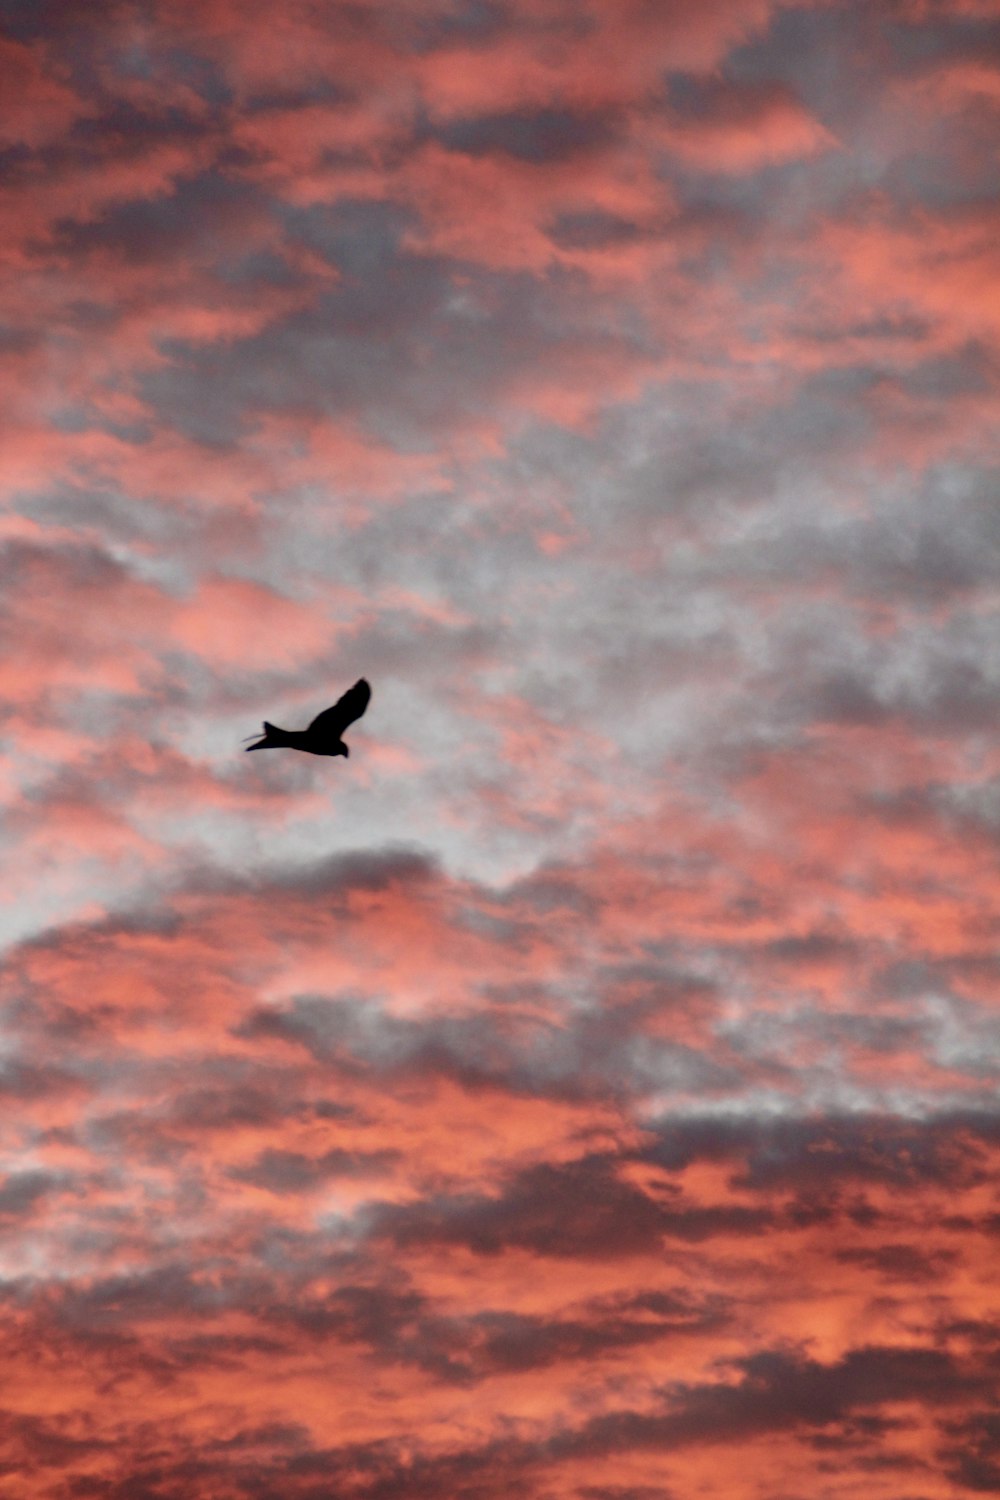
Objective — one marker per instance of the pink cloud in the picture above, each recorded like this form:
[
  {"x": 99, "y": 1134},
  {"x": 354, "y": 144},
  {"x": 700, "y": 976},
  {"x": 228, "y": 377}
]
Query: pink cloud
[
  {"x": 230, "y": 620},
  {"x": 748, "y": 131},
  {"x": 39, "y": 105},
  {"x": 936, "y": 266},
  {"x": 588, "y": 1092},
  {"x": 619, "y": 55}
]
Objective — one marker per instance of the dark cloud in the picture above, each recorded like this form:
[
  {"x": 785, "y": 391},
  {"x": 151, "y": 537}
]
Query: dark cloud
[
  {"x": 953, "y": 697},
  {"x": 540, "y": 136},
  {"x": 359, "y": 350},
  {"x": 22, "y": 1190},
  {"x": 510, "y": 1342},
  {"x": 584, "y": 1209},
  {"x": 593, "y": 230},
  {"x": 904, "y": 1263},
  {"x": 860, "y": 1149},
  {"x": 202, "y": 217},
  {"x": 361, "y": 870},
  {"x": 624, "y": 1492},
  {"x": 293, "y": 1172},
  {"x": 54, "y": 17},
  {"x": 973, "y": 1453},
  {"x": 777, "y": 1391}
]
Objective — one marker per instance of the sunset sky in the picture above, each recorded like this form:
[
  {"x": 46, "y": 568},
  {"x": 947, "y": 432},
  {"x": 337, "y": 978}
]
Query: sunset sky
[{"x": 588, "y": 1090}]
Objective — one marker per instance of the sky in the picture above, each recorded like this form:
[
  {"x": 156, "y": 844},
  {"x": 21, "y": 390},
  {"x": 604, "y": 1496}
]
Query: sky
[{"x": 588, "y": 1090}]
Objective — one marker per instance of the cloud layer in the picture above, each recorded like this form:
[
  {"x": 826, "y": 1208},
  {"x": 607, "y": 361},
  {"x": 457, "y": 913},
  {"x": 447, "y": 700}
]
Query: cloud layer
[{"x": 589, "y": 1090}]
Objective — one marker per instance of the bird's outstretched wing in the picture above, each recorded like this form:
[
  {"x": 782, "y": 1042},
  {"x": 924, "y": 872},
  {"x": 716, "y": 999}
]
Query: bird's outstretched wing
[{"x": 333, "y": 721}]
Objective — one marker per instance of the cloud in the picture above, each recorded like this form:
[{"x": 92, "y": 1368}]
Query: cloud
[
  {"x": 590, "y": 1089},
  {"x": 580, "y": 1210},
  {"x": 723, "y": 127},
  {"x": 40, "y": 105}
]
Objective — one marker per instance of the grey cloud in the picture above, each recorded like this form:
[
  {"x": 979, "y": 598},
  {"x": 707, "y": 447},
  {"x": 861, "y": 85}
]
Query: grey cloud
[
  {"x": 590, "y": 1053},
  {"x": 292, "y": 1172},
  {"x": 845, "y": 1150},
  {"x": 124, "y": 1300},
  {"x": 360, "y": 870},
  {"x": 54, "y": 17},
  {"x": 362, "y": 349},
  {"x": 593, "y": 229},
  {"x": 940, "y": 538},
  {"x": 22, "y": 1190},
  {"x": 26, "y": 1079},
  {"x": 952, "y": 691},
  {"x": 34, "y": 1443},
  {"x": 542, "y": 135},
  {"x": 898, "y": 1262},
  {"x": 778, "y": 1392},
  {"x": 397, "y": 1324},
  {"x": 56, "y": 568},
  {"x": 516, "y": 1342},
  {"x": 357, "y": 1034},
  {"x": 580, "y": 1210},
  {"x": 203, "y": 218}
]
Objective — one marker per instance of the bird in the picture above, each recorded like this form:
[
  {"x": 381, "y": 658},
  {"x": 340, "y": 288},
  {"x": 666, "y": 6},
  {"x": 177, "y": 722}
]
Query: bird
[{"x": 323, "y": 737}]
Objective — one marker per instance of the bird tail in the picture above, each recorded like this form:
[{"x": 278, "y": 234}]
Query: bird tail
[{"x": 273, "y": 736}]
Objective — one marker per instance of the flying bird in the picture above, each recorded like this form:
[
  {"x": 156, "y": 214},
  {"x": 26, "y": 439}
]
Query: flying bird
[{"x": 323, "y": 737}]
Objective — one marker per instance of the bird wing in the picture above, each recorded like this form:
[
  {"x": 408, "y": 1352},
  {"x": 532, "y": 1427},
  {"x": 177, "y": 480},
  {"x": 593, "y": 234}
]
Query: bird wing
[{"x": 333, "y": 721}]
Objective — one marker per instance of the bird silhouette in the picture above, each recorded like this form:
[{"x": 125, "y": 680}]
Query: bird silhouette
[{"x": 323, "y": 737}]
